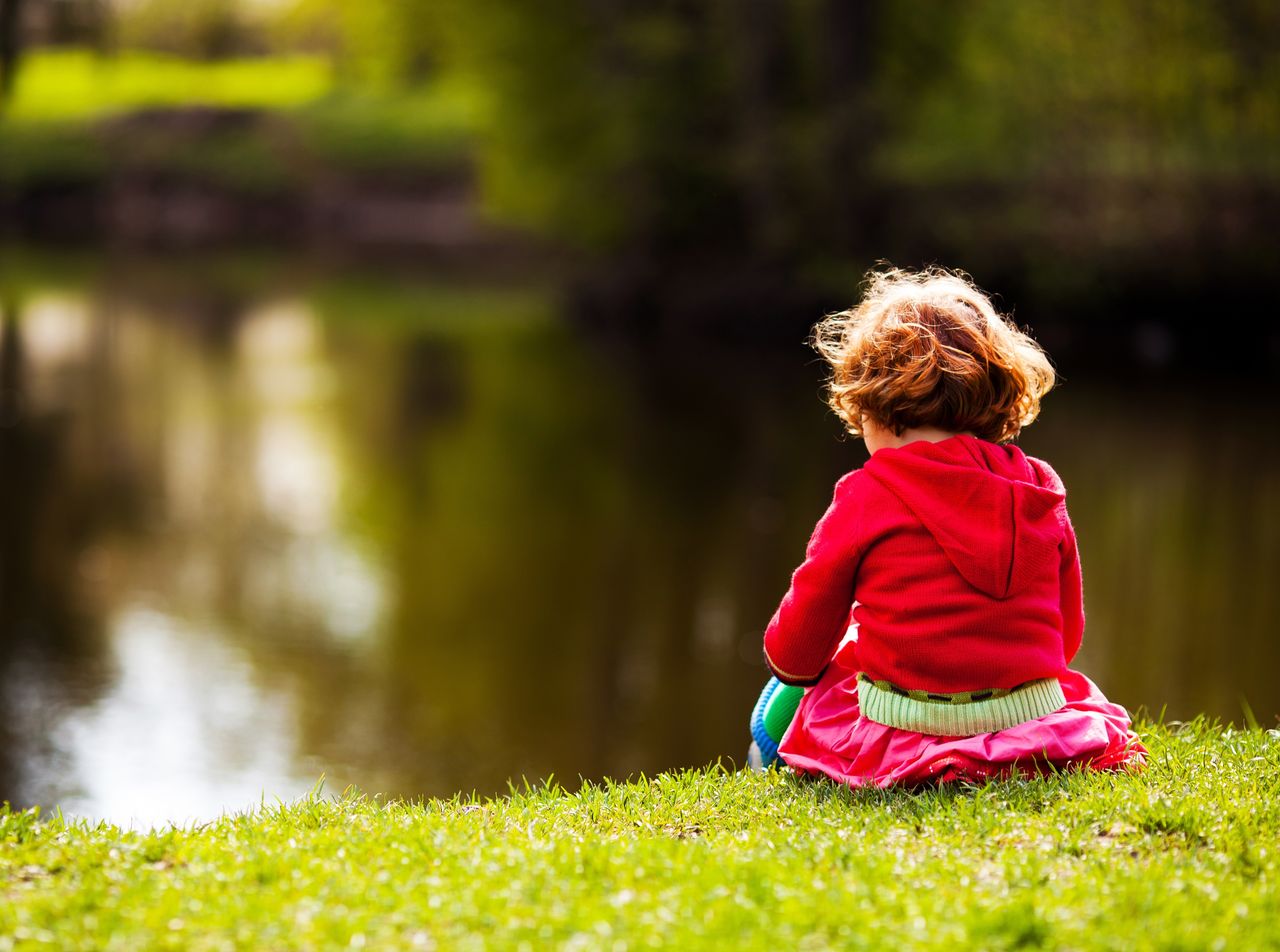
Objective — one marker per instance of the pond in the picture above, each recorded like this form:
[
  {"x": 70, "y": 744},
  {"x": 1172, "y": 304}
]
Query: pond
[{"x": 264, "y": 524}]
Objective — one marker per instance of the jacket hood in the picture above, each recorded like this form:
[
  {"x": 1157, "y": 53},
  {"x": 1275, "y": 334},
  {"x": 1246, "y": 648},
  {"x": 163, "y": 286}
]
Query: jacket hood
[{"x": 998, "y": 514}]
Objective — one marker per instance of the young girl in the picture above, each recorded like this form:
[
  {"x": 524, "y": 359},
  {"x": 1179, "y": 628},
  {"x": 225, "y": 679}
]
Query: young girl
[{"x": 939, "y": 603}]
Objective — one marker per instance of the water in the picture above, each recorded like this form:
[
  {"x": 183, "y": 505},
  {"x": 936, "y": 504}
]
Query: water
[{"x": 264, "y": 525}]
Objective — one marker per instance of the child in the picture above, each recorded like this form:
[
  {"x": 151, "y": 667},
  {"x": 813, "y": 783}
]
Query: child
[{"x": 939, "y": 602}]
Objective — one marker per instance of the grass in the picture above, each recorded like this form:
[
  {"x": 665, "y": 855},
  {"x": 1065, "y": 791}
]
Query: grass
[
  {"x": 72, "y": 84},
  {"x": 1181, "y": 857},
  {"x": 57, "y": 127}
]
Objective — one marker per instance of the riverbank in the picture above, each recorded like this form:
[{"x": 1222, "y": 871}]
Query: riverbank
[
  {"x": 1181, "y": 856},
  {"x": 151, "y": 150},
  {"x": 147, "y": 153}
]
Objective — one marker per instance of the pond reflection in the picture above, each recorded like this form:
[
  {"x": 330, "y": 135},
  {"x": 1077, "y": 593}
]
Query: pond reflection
[{"x": 424, "y": 537}]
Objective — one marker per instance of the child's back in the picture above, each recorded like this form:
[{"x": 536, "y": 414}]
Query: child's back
[{"x": 950, "y": 556}]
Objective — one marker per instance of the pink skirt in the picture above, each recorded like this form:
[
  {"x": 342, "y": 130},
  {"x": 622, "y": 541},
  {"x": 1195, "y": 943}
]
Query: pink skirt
[{"x": 829, "y": 736}]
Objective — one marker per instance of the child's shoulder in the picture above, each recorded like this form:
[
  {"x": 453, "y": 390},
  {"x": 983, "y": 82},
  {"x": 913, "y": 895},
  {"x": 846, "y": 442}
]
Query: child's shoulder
[
  {"x": 1045, "y": 474},
  {"x": 850, "y": 481},
  {"x": 856, "y": 489},
  {"x": 853, "y": 483}
]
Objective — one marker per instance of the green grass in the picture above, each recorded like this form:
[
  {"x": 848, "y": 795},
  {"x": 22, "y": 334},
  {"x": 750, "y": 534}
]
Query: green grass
[
  {"x": 57, "y": 128},
  {"x": 55, "y": 85},
  {"x": 1181, "y": 857}
]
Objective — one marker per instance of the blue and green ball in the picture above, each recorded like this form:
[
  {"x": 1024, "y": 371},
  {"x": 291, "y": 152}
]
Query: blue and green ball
[{"x": 769, "y": 721}]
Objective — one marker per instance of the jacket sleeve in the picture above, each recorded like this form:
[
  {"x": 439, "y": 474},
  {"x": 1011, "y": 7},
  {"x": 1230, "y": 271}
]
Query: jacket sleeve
[
  {"x": 1071, "y": 593},
  {"x": 808, "y": 625}
]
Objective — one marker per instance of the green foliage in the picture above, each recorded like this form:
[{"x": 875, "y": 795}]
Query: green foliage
[
  {"x": 194, "y": 28},
  {"x": 561, "y": 134},
  {"x": 807, "y": 132},
  {"x": 379, "y": 45},
  {"x": 648, "y": 126},
  {"x": 50, "y": 152},
  {"x": 1182, "y": 856},
  {"x": 780, "y": 129},
  {"x": 1103, "y": 91},
  {"x": 428, "y": 126}
]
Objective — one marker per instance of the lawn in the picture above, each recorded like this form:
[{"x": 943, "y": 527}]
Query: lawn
[
  {"x": 1182, "y": 856},
  {"x": 61, "y": 123},
  {"x": 63, "y": 84}
]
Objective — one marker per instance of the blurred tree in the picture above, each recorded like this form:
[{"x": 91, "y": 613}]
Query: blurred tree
[
  {"x": 202, "y": 29},
  {"x": 382, "y": 44},
  {"x": 9, "y": 45},
  {"x": 670, "y": 126},
  {"x": 25, "y": 23},
  {"x": 805, "y": 135},
  {"x": 1071, "y": 142}
]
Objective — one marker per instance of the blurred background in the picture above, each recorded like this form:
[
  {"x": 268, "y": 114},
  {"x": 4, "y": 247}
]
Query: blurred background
[{"x": 416, "y": 394}]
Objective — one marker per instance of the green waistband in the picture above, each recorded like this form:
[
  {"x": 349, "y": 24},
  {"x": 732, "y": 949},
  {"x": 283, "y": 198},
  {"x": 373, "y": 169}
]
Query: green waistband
[{"x": 958, "y": 715}]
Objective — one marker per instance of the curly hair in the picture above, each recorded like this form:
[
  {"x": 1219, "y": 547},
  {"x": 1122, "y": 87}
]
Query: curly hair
[{"x": 928, "y": 349}]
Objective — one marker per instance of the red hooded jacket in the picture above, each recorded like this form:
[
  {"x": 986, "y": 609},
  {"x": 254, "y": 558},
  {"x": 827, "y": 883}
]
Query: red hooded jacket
[{"x": 963, "y": 565}]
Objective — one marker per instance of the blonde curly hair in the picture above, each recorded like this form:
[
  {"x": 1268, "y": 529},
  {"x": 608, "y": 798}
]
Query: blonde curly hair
[{"x": 927, "y": 348}]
